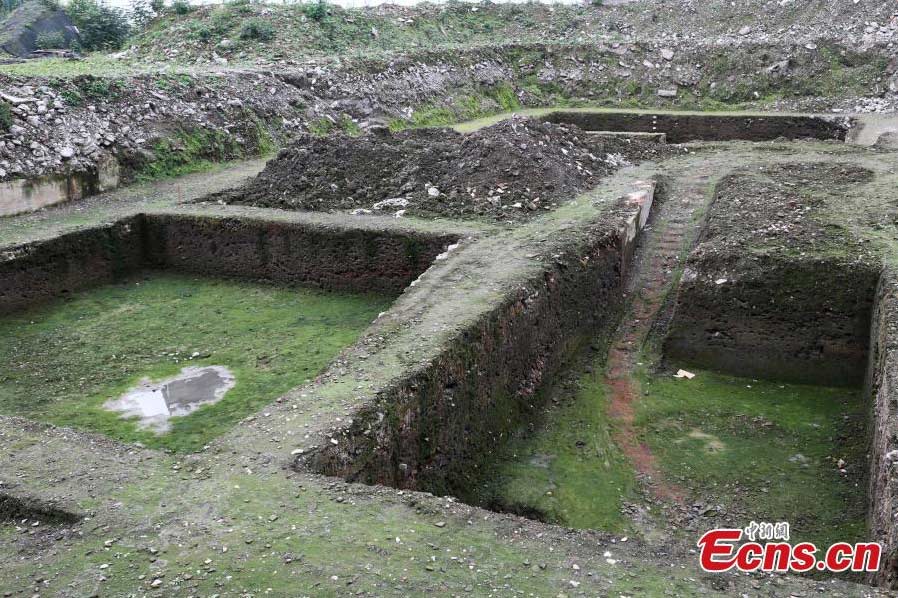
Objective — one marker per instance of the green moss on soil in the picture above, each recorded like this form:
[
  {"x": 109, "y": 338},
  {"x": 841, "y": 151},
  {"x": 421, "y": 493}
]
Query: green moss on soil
[
  {"x": 765, "y": 451},
  {"x": 483, "y": 102},
  {"x": 68, "y": 358},
  {"x": 569, "y": 471},
  {"x": 188, "y": 151}
]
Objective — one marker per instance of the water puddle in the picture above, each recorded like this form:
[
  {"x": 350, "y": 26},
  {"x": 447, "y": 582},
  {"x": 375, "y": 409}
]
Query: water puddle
[{"x": 154, "y": 403}]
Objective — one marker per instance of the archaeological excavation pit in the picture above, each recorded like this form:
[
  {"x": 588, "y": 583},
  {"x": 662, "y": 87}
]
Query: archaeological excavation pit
[
  {"x": 564, "y": 319},
  {"x": 167, "y": 330}
]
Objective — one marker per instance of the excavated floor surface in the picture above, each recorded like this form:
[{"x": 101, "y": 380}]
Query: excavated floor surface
[{"x": 234, "y": 518}]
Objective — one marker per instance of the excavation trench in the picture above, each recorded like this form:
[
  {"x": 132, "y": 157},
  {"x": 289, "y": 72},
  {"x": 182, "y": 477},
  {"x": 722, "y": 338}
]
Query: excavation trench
[
  {"x": 480, "y": 407},
  {"x": 314, "y": 255},
  {"x": 474, "y": 422},
  {"x": 479, "y": 412},
  {"x": 184, "y": 355}
]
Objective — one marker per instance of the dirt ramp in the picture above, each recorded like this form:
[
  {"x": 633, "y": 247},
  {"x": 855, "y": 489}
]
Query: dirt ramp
[{"x": 507, "y": 172}]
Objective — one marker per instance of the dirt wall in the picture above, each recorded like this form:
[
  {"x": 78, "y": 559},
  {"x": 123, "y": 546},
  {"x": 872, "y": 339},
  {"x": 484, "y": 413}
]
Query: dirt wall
[
  {"x": 681, "y": 128},
  {"x": 801, "y": 320},
  {"x": 434, "y": 428},
  {"x": 33, "y": 273},
  {"x": 285, "y": 253},
  {"x": 291, "y": 253},
  {"x": 882, "y": 394}
]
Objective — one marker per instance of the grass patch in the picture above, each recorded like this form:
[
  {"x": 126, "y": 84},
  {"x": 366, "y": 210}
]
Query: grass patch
[
  {"x": 68, "y": 358},
  {"x": 765, "y": 451},
  {"x": 325, "y": 126},
  {"x": 498, "y": 99},
  {"x": 190, "y": 150},
  {"x": 569, "y": 472},
  {"x": 5, "y": 116}
]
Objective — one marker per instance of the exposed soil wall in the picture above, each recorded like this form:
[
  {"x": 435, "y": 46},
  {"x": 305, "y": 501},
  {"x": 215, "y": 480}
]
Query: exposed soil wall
[
  {"x": 434, "y": 428},
  {"x": 286, "y": 253},
  {"x": 882, "y": 393},
  {"x": 291, "y": 253},
  {"x": 681, "y": 128},
  {"x": 33, "y": 273},
  {"x": 795, "y": 319}
]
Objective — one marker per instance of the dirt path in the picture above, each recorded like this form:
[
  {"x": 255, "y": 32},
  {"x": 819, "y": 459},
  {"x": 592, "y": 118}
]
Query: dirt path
[
  {"x": 665, "y": 245},
  {"x": 124, "y": 201}
]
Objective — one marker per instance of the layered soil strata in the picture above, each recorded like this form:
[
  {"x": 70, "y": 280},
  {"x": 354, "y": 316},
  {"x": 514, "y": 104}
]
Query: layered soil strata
[
  {"x": 326, "y": 257},
  {"x": 881, "y": 389},
  {"x": 771, "y": 291}
]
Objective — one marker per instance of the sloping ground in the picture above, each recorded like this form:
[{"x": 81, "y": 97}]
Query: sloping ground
[
  {"x": 509, "y": 171},
  {"x": 305, "y": 31},
  {"x": 239, "y": 92}
]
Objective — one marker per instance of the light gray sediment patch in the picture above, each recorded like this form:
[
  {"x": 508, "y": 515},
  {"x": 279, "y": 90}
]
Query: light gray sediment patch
[{"x": 155, "y": 403}]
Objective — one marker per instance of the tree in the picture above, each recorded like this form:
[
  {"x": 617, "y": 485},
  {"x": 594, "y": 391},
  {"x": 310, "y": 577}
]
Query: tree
[{"x": 101, "y": 27}]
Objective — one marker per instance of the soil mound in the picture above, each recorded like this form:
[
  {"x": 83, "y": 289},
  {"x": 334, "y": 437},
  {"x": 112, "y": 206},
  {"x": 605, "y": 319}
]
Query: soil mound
[{"x": 509, "y": 171}]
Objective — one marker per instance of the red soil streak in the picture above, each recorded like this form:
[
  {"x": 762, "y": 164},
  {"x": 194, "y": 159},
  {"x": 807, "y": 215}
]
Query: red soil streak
[{"x": 651, "y": 284}]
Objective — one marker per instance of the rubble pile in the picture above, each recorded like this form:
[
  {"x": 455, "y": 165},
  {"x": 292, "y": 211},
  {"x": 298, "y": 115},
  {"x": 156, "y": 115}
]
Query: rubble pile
[{"x": 505, "y": 172}]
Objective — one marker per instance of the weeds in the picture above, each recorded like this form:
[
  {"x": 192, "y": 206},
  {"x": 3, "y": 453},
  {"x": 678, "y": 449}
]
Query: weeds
[
  {"x": 257, "y": 30},
  {"x": 5, "y": 116},
  {"x": 325, "y": 126}
]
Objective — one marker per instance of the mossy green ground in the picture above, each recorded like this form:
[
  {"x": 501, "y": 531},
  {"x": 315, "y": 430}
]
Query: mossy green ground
[
  {"x": 761, "y": 450},
  {"x": 64, "y": 360},
  {"x": 270, "y": 535},
  {"x": 569, "y": 471}
]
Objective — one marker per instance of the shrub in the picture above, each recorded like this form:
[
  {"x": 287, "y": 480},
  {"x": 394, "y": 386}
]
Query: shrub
[
  {"x": 200, "y": 31},
  {"x": 257, "y": 29},
  {"x": 102, "y": 27},
  {"x": 222, "y": 20},
  {"x": 317, "y": 11},
  {"x": 181, "y": 7},
  {"x": 94, "y": 87},
  {"x": 7, "y": 6},
  {"x": 241, "y": 7},
  {"x": 72, "y": 98},
  {"x": 157, "y": 5},
  {"x": 5, "y": 116},
  {"x": 51, "y": 40}
]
